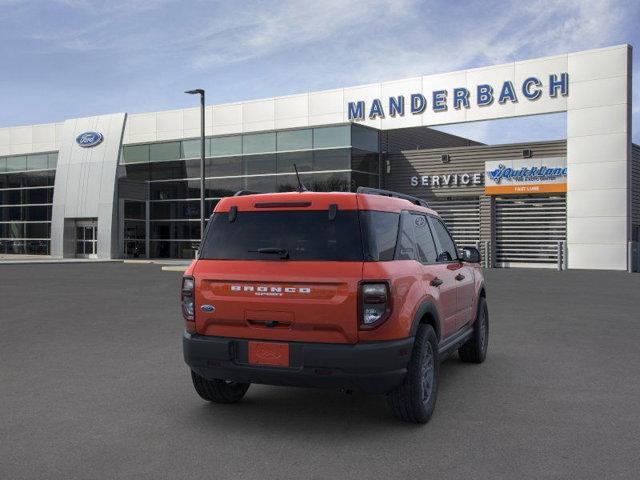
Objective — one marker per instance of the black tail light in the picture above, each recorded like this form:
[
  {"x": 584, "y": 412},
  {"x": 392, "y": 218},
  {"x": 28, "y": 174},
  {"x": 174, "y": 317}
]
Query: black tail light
[
  {"x": 187, "y": 298},
  {"x": 375, "y": 304}
]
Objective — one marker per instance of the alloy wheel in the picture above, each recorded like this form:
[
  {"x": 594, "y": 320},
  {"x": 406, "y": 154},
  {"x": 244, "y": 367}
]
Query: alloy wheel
[{"x": 428, "y": 372}]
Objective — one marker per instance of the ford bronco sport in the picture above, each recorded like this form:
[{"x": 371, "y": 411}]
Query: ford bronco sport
[{"x": 356, "y": 291}]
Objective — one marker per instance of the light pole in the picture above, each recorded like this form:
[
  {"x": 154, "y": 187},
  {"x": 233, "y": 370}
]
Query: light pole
[{"x": 200, "y": 92}]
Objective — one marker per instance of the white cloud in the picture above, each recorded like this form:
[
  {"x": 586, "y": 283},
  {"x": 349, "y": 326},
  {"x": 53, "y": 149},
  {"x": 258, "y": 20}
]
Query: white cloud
[
  {"x": 379, "y": 39},
  {"x": 483, "y": 37},
  {"x": 301, "y": 45},
  {"x": 288, "y": 25}
]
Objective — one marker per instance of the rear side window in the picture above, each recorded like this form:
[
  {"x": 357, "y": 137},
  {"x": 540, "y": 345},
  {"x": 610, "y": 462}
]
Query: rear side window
[
  {"x": 304, "y": 235},
  {"x": 426, "y": 248},
  {"x": 406, "y": 241},
  {"x": 380, "y": 229},
  {"x": 415, "y": 241},
  {"x": 444, "y": 243}
]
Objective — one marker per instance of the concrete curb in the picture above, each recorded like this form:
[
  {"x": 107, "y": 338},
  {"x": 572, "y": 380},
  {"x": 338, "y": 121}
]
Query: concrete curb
[
  {"x": 56, "y": 261},
  {"x": 174, "y": 268},
  {"x": 180, "y": 265},
  {"x": 159, "y": 262}
]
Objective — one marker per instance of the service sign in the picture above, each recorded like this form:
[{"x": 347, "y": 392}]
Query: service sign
[
  {"x": 471, "y": 179},
  {"x": 526, "y": 176}
]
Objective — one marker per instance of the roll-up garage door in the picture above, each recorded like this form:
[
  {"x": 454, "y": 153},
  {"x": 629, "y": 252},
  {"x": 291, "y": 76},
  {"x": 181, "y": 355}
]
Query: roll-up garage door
[
  {"x": 462, "y": 217},
  {"x": 528, "y": 230}
]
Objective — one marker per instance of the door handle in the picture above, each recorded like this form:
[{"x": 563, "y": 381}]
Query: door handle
[
  {"x": 436, "y": 282},
  {"x": 459, "y": 277}
]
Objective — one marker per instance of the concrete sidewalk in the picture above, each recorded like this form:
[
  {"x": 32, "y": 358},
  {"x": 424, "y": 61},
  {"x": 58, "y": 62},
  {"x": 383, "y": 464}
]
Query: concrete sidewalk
[
  {"x": 40, "y": 259},
  {"x": 171, "y": 265},
  {"x": 167, "y": 265}
]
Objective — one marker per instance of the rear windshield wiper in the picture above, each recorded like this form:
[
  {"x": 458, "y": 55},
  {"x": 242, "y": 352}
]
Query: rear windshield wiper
[{"x": 283, "y": 252}]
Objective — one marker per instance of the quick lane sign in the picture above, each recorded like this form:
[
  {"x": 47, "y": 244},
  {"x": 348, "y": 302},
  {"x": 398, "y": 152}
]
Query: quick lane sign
[
  {"x": 526, "y": 176},
  {"x": 530, "y": 89}
]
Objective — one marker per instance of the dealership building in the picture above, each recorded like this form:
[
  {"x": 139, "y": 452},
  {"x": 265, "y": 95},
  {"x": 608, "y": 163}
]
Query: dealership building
[{"x": 127, "y": 185}]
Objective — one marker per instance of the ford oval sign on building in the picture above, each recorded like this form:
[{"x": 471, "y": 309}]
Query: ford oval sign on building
[{"x": 89, "y": 139}]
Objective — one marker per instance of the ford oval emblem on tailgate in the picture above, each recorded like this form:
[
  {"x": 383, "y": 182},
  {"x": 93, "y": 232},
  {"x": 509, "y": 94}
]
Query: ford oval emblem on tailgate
[{"x": 208, "y": 308}]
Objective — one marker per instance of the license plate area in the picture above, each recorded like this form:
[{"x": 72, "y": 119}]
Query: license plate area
[{"x": 269, "y": 353}]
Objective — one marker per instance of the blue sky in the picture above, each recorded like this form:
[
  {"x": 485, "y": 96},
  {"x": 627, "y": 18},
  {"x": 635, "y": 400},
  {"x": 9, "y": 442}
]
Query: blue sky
[{"x": 72, "y": 58}]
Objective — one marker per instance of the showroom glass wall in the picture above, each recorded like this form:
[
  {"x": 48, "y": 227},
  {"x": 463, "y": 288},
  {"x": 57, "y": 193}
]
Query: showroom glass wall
[
  {"x": 335, "y": 158},
  {"x": 26, "y": 196}
]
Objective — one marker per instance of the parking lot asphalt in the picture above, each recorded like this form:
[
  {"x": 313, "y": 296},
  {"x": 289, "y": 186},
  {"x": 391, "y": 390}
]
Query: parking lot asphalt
[{"x": 93, "y": 386}]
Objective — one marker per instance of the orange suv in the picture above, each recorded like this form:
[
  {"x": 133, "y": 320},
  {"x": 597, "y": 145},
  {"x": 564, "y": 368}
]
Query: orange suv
[{"x": 357, "y": 291}]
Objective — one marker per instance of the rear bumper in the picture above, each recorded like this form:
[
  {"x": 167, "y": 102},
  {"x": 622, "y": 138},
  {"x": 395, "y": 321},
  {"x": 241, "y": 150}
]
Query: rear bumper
[{"x": 373, "y": 367}]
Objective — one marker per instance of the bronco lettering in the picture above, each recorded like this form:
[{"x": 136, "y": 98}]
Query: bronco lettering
[{"x": 269, "y": 289}]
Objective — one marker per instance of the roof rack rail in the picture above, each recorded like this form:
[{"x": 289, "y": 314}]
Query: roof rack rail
[
  {"x": 242, "y": 193},
  {"x": 389, "y": 193}
]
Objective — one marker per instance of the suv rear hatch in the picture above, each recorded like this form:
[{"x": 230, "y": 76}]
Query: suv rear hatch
[{"x": 286, "y": 270}]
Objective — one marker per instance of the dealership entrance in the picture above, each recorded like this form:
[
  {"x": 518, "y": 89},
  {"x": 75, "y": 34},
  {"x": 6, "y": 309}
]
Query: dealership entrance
[{"x": 87, "y": 238}]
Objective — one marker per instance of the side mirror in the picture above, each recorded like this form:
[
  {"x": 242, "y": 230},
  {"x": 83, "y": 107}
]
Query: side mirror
[
  {"x": 444, "y": 257},
  {"x": 471, "y": 255}
]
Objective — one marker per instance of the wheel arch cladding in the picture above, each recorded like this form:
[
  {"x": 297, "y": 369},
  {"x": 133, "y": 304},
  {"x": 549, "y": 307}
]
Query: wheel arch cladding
[{"x": 428, "y": 315}]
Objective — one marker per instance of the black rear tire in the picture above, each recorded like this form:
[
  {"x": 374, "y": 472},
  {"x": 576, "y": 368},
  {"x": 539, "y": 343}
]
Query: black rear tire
[
  {"x": 219, "y": 391},
  {"x": 475, "y": 349},
  {"x": 415, "y": 399}
]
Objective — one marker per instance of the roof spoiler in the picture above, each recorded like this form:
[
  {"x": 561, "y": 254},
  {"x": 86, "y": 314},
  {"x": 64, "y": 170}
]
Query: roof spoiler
[{"x": 389, "y": 193}]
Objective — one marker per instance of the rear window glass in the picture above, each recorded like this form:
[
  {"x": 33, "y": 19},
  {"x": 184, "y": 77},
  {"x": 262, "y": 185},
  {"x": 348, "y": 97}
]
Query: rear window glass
[{"x": 303, "y": 235}]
